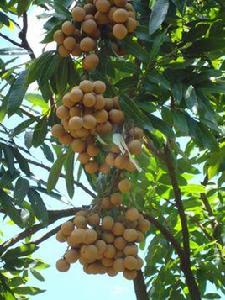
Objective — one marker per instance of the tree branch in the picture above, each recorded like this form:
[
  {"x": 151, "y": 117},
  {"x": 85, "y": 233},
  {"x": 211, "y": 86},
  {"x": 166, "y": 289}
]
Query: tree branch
[
  {"x": 5, "y": 37},
  {"x": 140, "y": 287},
  {"x": 23, "y": 37}
]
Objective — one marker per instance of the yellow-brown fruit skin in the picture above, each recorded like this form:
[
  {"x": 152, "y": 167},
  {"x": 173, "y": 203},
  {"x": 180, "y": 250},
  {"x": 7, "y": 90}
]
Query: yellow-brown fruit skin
[
  {"x": 132, "y": 214},
  {"x": 135, "y": 147},
  {"x": 90, "y": 62},
  {"x": 62, "y": 265},
  {"x": 78, "y": 14},
  {"x": 120, "y": 31},
  {"x": 124, "y": 186}
]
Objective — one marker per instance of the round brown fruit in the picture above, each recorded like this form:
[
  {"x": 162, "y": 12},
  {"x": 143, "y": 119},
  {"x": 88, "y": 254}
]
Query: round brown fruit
[
  {"x": 89, "y": 253},
  {"x": 120, "y": 15},
  {"x": 80, "y": 222},
  {"x": 99, "y": 87},
  {"x": 89, "y": 26},
  {"x": 136, "y": 133},
  {"x": 120, "y": 3},
  {"x": 78, "y": 14},
  {"x": 90, "y": 236},
  {"x": 107, "y": 223},
  {"x": 132, "y": 214},
  {"x": 101, "y": 116},
  {"x": 60, "y": 237},
  {"x": 108, "y": 237},
  {"x": 118, "y": 265},
  {"x": 76, "y": 95},
  {"x": 87, "y": 44},
  {"x": 103, "y": 5},
  {"x": 89, "y": 100},
  {"x": 104, "y": 168},
  {"x": 108, "y": 103},
  {"x": 90, "y": 62},
  {"x": 144, "y": 225},
  {"x": 101, "y": 18},
  {"x": 63, "y": 51},
  {"x": 105, "y": 203},
  {"x": 116, "y": 102},
  {"x": 75, "y": 112},
  {"x": 118, "y": 229},
  {"x": 87, "y": 86},
  {"x": 101, "y": 246},
  {"x": 111, "y": 12},
  {"x": 134, "y": 147},
  {"x": 107, "y": 262},
  {"x": 69, "y": 43},
  {"x": 100, "y": 102},
  {"x": 131, "y": 250},
  {"x": 71, "y": 256},
  {"x": 92, "y": 150},
  {"x": 120, "y": 31},
  {"x": 124, "y": 186},
  {"x": 83, "y": 158},
  {"x": 120, "y": 243},
  {"x": 131, "y": 25},
  {"x": 76, "y": 50},
  {"x": 130, "y": 235},
  {"x": 104, "y": 128},
  {"x": 116, "y": 199},
  {"x": 68, "y": 28},
  {"x": 82, "y": 133},
  {"x": 93, "y": 219},
  {"x": 110, "y": 251},
  {"x": 78, "y": 146},
  {"x": 110, "y": 159},
  {"x": 62, "y": 112},
  {"x": 67, "y": 100},
  {"x": 119, "y": 162},
  {"x": 59, "y": 37},
  {"x": 89, "y": 122},
  {"x": 65, "y": 139},
  {"x": 58, "y": 130},
  {"x": 91, "y": 167},
  {"x": 116, "y": 116},
  {"x": 130, "y": 263},
  {"x": 140, "y": 263},
  {"x": 90, "y": 8},
  {"x": 67, "y": 228},
  {"x": 130, "y": 275},
  {"x": 75, "y": 123},
  {"x": 62, "y": 265}
]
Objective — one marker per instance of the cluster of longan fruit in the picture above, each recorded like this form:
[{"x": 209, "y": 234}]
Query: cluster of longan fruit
[
  {"x": 104, "y": 244},
  {"x": 96, "y": 19},
  {"x": 85, "y": 113}
]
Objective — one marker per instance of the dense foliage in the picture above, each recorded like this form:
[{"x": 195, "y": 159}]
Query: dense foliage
[{"x": 170, "y": 83}]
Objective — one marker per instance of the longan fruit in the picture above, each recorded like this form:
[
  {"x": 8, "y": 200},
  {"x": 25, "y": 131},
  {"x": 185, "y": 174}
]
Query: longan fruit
[
  {"x": 118, "y": 229},
  {"x": 134, "y": 147},
  {"x": 78, "y": 236},
  {"x": 111, "y": 12},
  {"x": 78, "y": 14},
  {"x": 130, "y": 235},
  {"x": 60, "y": 237},
  {"x": 120, "y": 243},
  {"x": 103, "y": 5},
  {"x": 124, "y": 186},
  {"x": 90, "y": 8},
  {"x": 111, "y": 272},
  {"x": 101, "y": 246},
  {"x": 116, "y": 199},
  {"x": 62, "y": 265},
  {"x": 131, "y": 250},
  {"x": 116, "y": 116},
  {"x": 75, "y": 112},
  {"x": 71, "y": 256},
  {"x": 144, "y": 225},
  {"x": 89, "y": 26},
  {"x": 119, "y": 31},
  {"x": 57, "y": 130},
  {"x": 105, "y": 203},
  {"x": 89, "y": 253},
  {"x": 82, "y": 133},
  {"x": 76, "y": 95},
  {"x": 89, "y": 17},
  {"x": 91, "y": 167},
  {"x": 88, "y": 111},
  {"x": 78, "y": 146},
  {"x": 83, "y": 262},
  {"x": 65, "y": 139},
  {"x": 119, "y": 254},
  {"x": 68, "y": 28},
  {"x": 119, "y": 162},
  {"x": 110, "y": 159},
  {"x": 107, "y": 262},
  {"x": 108, "y": 237},
  {"x": 69, "y": 43},
  {"x": 120, "y": 15},
  {"x": 104, "y": 128},
  {"x": 99, "y": 87},
  {"x": 65, "y": 123},
  {"x": 130, "y": 275},
  {"x": 62, "y": 112},
  {"x": 141, "y": 237},
  {"x": 104, "y": 168},
  {"x": 130, "y": 263},
  {"x": 100, "y": 102},
  {"x": 90, "y": 62},
  {"x": 87, "y": 44},
  {"x": 90, "y": 236},
  {"x": 116, "y": 102},
  {"x": 101, "y": 116},
  {"x": 131, "y": 25},
  {"x": 86, "y": 86},
  {"x": 132, "y": 15},
  {"x": 63, "y": 52},
  {"x": 93, "y": 219},
  {"x": 118, "y": 265},
  {"x": 75, "y": 123},
  {"x": 107, "y": 223},
  {"x": 59, "y": 37},
  {"x": 80, "y": 222},
  {"x": 108, "y": 103},
  {"x": 132, "y": 214},
  {"x": 89, "y": 122},
  {"x": 115, "y": 149},
  {"x": 129, "y": 7},
  {"x": 89, "y": 100},
  {"x": 101, "y": 19},
  {"x": 67, "y": 228},
  {"x": 140, "y": 263},
  {"x": 76, "y": 51},
  {"x": 120, "y": 3},
  {"x": 129, "y": 166},
  {"x": 93, "y": 150},
  {"x": 136, "y": 133},
  {"x": 67, "y": 100},
  {"x": 83, "y": 158},
  {"x": 110, "y": 251}
]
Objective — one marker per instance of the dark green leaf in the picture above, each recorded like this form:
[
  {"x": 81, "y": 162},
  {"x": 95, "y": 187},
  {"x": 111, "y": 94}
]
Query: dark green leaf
[
  {"x": 38, "y": 206},
  {"x": 21, "y": 189},
  {"x": 158, "y": 15},
  {"x": 55, "y": 172},
  {"x": 69, "y": 168}
]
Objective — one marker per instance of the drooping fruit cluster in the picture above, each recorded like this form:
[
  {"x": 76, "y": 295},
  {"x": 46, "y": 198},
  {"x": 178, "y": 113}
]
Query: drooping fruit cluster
[
  {"x": 84, "y": 114},
  {"x": 104, "y": 244},
  {"x": 95, "y": 20}
]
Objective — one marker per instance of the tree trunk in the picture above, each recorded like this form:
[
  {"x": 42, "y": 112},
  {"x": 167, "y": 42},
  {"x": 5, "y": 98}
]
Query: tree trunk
[{"x": 140, "y": 287}]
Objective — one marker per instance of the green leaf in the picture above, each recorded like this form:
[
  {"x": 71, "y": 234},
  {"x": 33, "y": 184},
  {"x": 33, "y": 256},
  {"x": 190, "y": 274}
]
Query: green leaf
[
  {"x": 28, "y": 290},
  {"x": 4, "y": 19},
  {"x": 158, "y": 15},
  {"x": 9, "y": 156},
  {"x": 21, "y": 251},
  {"x": 21, "y": 189},
  {"x": 22, "y": 126},
  {"x": 37, "y": 100},
  {"x": 180, "y": 123},
  {"x": 22, "y": 161},
  {"x": 48, "y": 152},
  {"x": 79, "y": 172},
  {"x": 191, "y": 99},
  {"x": 211, "y": 296},
  {"x": 40, "y": 131},
  {"x": 55, "y": 172},
  {"x": 37, "y": 275},
  {"x": 9, "y": 207},
  {"x": 17, "y": 93},
  {"x": 23, "y": 6},
  {"x": 69, "y": 167},
  {"x": 38, "y": 206},
  {"x": 193, "y": 189}
]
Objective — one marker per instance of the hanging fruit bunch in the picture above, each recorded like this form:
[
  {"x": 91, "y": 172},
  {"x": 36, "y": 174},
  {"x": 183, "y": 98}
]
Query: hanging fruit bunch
[{"x": 95, "y": 21}]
